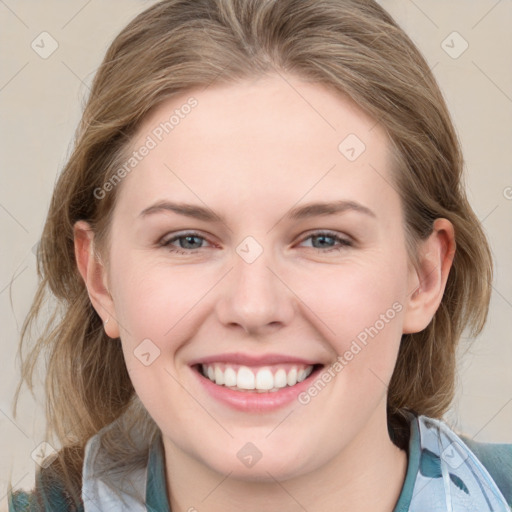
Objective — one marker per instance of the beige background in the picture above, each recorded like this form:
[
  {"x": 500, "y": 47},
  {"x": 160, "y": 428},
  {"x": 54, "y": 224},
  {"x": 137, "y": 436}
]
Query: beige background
[{"x": 40, "y": 101}]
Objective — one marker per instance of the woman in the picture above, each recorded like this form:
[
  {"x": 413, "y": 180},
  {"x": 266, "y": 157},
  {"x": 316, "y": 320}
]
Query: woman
[{"x": 264, "y": 258}]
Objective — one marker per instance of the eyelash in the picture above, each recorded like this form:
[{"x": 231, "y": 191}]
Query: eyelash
[{"x": 343, "y": 242}]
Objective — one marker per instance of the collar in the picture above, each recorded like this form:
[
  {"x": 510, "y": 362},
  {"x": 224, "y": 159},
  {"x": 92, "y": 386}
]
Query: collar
[
  {"x": 443, "y": 475},
  {"x": 156, "y": 493}
]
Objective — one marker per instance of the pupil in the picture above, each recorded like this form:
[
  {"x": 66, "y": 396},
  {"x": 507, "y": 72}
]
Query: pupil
[
  {"x": 189, "y": 238},
  {"x": 322, "y": 238}
]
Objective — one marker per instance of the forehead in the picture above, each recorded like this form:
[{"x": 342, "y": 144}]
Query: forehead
[{"x": 275, "y": 136}]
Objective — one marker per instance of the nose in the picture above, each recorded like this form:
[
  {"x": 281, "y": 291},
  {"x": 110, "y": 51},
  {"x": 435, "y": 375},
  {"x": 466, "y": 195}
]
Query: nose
[{"x": 255, "y": 297}]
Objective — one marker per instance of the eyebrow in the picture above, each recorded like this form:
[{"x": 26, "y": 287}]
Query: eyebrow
[{"x": 301, "y": 212}]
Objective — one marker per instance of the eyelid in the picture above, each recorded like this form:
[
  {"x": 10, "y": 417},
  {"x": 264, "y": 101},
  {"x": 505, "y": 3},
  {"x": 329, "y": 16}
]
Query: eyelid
[
  {"x": 172, "y": 237},
  {"x": 326, "y": 232}
]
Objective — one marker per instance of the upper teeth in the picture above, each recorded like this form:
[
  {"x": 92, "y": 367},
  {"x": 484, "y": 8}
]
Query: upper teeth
[{"x": 260, "y": 379}]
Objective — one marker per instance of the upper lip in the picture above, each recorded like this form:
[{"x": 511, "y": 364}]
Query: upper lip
[{"x": 252, "y": 359}]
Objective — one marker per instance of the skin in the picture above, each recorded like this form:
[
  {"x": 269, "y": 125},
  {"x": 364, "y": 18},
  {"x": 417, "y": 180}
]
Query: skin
[{"x": 250, "y": 152}]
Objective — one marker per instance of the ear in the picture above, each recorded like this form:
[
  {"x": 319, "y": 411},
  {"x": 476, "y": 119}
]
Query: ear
[
  {"x": 427, "y": 281},
  {"x": 94, "y": 274}
]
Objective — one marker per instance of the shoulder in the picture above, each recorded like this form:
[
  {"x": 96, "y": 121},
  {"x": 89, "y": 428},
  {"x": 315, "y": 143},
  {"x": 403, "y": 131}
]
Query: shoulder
[
  {"x": 20, "y": 501},
  {"x": 497, "y": 459},
  {"x": 481, "y": 472},
  {"x": 48, "y": 497},
  {"x": 50, "y": 493},
  {"x": 41, "y": 499}
]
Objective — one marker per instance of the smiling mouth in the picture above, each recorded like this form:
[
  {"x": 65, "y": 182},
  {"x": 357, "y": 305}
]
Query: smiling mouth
[{"x": 264, "y": 379}]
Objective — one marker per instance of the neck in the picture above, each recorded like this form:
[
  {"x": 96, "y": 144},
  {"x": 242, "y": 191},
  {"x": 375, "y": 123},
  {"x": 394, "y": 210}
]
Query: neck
[{"x": 367, "y": 475}]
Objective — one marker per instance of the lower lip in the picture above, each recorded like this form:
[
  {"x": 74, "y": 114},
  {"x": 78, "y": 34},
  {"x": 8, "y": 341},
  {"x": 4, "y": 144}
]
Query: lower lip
[{"x": 252, "y": 401}]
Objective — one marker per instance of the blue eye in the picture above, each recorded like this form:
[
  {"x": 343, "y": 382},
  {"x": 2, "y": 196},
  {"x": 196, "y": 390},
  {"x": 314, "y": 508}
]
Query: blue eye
[
  {"x": 190, "y": 243},
  {"x": 188, "y": 238},
  {"x": 325, "y": 238}
]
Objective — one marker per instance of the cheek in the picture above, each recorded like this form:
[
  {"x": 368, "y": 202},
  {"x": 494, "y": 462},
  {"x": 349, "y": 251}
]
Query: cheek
[
  {"x": 359, "y": 309},
  {"x": 352, "y": 296},
  {"x": 155, "y": 308},
  {"x": 153, "y": 299}
]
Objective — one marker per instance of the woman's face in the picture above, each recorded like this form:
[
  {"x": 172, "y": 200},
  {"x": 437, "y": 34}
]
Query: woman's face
[{"x": 258, "y": 241}]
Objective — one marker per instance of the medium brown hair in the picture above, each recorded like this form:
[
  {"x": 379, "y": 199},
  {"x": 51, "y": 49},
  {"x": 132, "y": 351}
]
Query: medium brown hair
[{"x": 352, "y": 46}]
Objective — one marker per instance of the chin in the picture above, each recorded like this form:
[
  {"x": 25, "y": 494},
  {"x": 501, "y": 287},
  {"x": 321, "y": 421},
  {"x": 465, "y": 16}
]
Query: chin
[{"x": 248, "y": 464}]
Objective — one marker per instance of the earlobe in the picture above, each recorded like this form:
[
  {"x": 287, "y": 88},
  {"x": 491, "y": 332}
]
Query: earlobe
[
  {"x": 427, "y": 280},
  {"x": 94, "y": 274}
]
